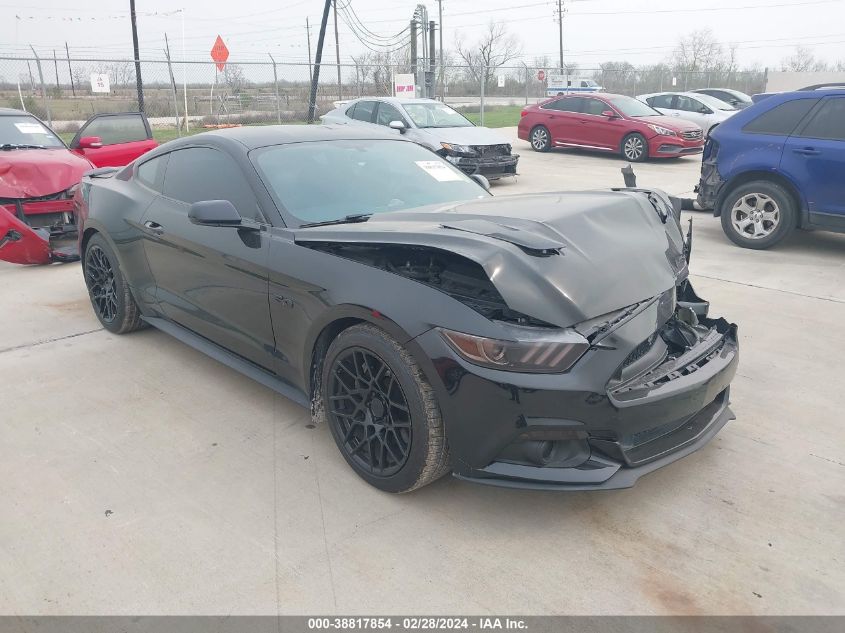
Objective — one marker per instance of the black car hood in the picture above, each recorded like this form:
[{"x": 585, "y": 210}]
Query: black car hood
[{"x": 560, "y": 257}]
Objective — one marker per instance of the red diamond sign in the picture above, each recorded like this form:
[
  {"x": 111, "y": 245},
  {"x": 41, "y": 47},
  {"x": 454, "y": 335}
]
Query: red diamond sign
[
  {"x": 219, "y": 53},
  {"x": 541, "y": 75}
]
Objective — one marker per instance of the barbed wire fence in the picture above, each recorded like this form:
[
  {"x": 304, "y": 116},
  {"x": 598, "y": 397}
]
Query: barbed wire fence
[{"x": 59, "y": 90}]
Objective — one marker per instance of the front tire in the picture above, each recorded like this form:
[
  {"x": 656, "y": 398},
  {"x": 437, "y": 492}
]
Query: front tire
[
  {"x": 107, "y": 288},
  {"x": 635, "y": 148},
  {"x": 382, "y": 412},
  {"x": 758, "y": 214},
  {"x": 540, "y": 139}
]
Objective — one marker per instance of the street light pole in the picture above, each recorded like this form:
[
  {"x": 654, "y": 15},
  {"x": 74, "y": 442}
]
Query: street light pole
[{"x": 139, "y": 84}]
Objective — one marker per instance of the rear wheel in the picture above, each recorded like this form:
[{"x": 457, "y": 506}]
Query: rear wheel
[
  {"x": 758, "y": 214},
  {"x": 107, "y": 288},
  {"x": 541, "y": 139},
  {"x": 382, "y": 412},
  {"x": 635, "y": 148}
]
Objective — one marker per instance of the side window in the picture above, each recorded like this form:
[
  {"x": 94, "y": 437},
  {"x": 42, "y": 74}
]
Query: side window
[
  {"x": 782, "y": 119},
  {"x": 565, "y": 104},
  {"x": 828, "y": 122},
  {"x": 687, "y": 104},
  {"x": 151, "y": 172},
  {"x": 350, "y": 112},
  {"x": 115, "y": 129},
  {"x": 660, "y": 101},
  {"x": 594, "y": 106},
  {"x": 387, "y": 113},
  {"x": 202, "y": 173},
  {"x": 364, "y": 111}
]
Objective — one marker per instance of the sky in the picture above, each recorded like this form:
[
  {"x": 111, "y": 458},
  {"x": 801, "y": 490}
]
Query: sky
[{"x": 764, "y": 31}]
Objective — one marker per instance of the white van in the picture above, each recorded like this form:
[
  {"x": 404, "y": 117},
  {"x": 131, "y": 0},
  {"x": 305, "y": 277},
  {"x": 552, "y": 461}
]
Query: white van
[{"x": 562, "y": 84}]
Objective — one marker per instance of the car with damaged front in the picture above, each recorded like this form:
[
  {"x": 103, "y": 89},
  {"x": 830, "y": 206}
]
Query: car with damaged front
[
  {"x": 433, "y": 124},
  {"x": 542, "y": 341},
  {"x": 38, "y": 173}
]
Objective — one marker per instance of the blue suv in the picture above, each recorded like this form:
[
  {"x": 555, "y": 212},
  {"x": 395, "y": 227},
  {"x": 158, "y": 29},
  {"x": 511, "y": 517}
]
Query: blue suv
[{"x": 778, "y": 165}]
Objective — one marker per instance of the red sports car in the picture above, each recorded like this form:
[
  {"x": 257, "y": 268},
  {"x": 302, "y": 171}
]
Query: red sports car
[
  {"x": 38, "y": 172},
  {"x": 610, "y": 123}
]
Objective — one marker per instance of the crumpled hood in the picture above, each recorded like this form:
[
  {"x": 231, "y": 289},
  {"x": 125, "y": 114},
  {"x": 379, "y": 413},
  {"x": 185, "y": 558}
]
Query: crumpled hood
[
  {"x": 560, "y": 257},
  {"x": 461, "y": 135},
  {"x": 31, "y": 173}
]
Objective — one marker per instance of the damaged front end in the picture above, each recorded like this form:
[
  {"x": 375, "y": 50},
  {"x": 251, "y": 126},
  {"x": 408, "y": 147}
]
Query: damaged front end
[{"x": 33, "y": 230}]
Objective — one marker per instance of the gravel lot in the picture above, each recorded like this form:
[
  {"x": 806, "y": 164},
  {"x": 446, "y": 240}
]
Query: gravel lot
[{"x": 138, "y": 476}]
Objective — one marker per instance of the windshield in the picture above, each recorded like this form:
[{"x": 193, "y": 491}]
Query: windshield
[
  {"x": 328, "y": 180},
  {"x": 26, "y": 130},
  {"x": 435, "y": 115},
  {"x": 713, "y": 103},
  {"x": 633, "y": 107}
]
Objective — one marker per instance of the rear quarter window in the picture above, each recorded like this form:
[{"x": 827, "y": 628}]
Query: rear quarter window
[{"x": 782, "y": 119}]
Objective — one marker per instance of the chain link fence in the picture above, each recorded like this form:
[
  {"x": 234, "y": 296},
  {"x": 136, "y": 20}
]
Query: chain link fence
[{"x": 59, "y": 90}]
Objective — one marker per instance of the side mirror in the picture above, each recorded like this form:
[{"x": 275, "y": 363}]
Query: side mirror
[
  {"x": 610, "y": 114},
  {"x": 481, "y": 180},
  {"x": 704, "y": 110},
  {"x": 398, "y": 125},
  {"x": 90, "y": 142},
  {"x": 214, "y": 213}
]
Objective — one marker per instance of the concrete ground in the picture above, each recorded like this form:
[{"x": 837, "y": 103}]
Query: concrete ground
[{"x": 138, "y": 476}]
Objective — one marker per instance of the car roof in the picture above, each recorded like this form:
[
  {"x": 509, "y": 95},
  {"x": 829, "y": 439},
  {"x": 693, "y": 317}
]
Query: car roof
[
  {"x": 13, "y": 112},
  {"x": 395, "y": 100},
  {"x": 255, "y": 136}
]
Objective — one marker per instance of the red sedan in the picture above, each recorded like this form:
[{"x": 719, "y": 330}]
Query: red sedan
[
  {"x": 610, "y": 123},
  {"x": 38, "y": 173}
]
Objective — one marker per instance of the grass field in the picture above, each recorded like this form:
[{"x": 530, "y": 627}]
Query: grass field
[{"x": 497, "y": 116}]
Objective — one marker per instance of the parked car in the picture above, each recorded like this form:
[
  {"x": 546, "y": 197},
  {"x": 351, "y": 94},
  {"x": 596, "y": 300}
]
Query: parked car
[
  {"x": 778, "y": 165},
  {"x": 703, "y": 110},
  {"x": 546, "y": 341},
  {"x": 609, "y": 123},
  {"x": 433, "y": 124},
  {"x": 38, "y": 172},
  {"x": 735, "y": 98}
]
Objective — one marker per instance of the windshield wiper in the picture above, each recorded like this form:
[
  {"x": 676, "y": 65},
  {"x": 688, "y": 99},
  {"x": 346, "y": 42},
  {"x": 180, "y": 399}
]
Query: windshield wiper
[
  {"x": 8, "y": 146},
  {"x": 347, "y": 219}
]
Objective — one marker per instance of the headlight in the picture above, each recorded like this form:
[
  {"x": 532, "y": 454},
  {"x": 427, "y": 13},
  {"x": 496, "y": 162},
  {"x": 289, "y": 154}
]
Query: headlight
[
  {"x": 535, "y": 351},
  {"x": 453, "y": 149},
  {"x": 663, "y": 131}
]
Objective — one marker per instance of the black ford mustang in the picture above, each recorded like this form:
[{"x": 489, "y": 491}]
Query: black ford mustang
[{"x": 544, "y": 341}]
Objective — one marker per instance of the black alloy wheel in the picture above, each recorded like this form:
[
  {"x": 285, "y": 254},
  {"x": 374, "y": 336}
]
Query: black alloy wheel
[
  {"x": 100, "y": 278},
  {"x": 369, "y": 412}
]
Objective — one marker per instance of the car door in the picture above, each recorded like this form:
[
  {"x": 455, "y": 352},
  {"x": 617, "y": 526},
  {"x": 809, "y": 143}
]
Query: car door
[
  {"x": 386, "y": 112},
  {"x": 561, "y": 117},
  {"x": 597, "y": 130},
  {"x": 663, "y": 104},
  {"x": 814, "y": 158},
  {"x": 113, "y": 140},
  {"x": 363, "y": 113},
  {"x": 694, "y": 111},
  {"x": 211, "y": 280}
]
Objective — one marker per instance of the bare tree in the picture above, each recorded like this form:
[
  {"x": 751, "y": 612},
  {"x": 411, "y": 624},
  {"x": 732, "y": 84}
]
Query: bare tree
[
  {"x": 492, "y": 51},
  {"x": 802, "y": 61},
  {"x": 122, "y": 73},
  {"x": 81, "y": 76},
  {"x": 698, "y": 51},
  {"x": 233, "y": 78}
]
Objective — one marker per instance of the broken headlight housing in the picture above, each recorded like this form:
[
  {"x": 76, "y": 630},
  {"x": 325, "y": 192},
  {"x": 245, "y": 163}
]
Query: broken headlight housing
[
  {"x": 453, "y": 149},
  {"x": 534, "y": 350}
]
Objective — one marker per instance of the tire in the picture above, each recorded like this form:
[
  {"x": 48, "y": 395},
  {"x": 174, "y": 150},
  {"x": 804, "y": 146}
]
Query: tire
[
  {"x": 635, "y": 148},
  {"x": 107, "y": 288},
  {"x": 771, "y": 209},
  {"x": 382, "y": 412},
  {"x": 540, "y": 138}
]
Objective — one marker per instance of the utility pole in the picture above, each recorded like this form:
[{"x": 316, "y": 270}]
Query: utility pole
[
  {"x": 560, "y": 30},
  {"x": 70, "y": 70},
  {"x": 56, "y": 66},
  {"x": 430, "y": 84},
  {"x": 414, "y": 51},
  {"x": 442, "y": 81},
  {"x": 139, "y": 84},
  {"x": 312, "y": 101},
  {"x": 337, "y": 50},
  {"x": 308, "y": 31}
]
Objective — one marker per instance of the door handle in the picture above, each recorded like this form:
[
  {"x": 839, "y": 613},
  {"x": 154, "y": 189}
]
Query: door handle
[
  {"x": 807, "y": 151},
  {"x": 154, "y": 227}
]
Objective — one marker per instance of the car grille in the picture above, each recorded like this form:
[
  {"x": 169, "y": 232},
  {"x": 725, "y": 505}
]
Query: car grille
[
  {"x": 639, "y": 351},
  {"x": 694, "y": 135},
  {"x": 493, "y": 150}
]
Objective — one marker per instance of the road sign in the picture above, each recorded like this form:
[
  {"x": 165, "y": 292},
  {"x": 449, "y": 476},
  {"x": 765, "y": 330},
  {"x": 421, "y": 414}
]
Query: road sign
[
  {"x": 404, "y": 87},
  {"x": 100, "y": 83},
  {"x": 541, "y": 75},
  {"x": 219, "y": 53},
  {"x": 501, "y": 81}
]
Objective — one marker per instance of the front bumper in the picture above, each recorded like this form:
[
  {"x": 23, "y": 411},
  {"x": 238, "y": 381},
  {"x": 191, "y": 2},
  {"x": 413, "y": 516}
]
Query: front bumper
[
  {"x": 665, "y": 147},
  {"x": 626, "y": 428},
  {"x": 30, "y": 229},
  {"x": 490, "y": 167}
]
